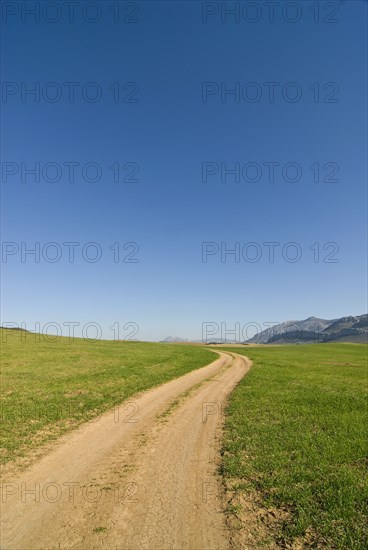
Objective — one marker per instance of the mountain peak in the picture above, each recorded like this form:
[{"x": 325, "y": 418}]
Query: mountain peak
[
  {"x": 313, "y": 329},
  {"x": 174, "y": 339}
]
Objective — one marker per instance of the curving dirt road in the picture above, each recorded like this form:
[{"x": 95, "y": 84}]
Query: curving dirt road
[{"x": 144, "y": 476}]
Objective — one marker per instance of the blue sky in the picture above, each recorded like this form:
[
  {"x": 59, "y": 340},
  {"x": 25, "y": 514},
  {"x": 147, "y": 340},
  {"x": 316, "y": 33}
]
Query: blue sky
[{"x": 165, "y": 124}]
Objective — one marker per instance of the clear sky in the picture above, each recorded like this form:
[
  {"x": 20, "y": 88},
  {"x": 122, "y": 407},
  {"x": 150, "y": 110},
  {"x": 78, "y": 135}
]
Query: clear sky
[{"x": 152, "y": 96}]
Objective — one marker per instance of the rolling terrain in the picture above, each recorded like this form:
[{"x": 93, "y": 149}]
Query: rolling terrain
[
  {"x": 50, "y": 385},
  {"x": 145, "y": 482},
  {"x": 142, "y": 445}
]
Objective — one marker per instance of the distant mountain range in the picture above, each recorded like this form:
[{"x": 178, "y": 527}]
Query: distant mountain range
[
  {"x": 314, "y": 330},
  {"x": 309, "y": 331},
  {"x": 174, "y": 339}
]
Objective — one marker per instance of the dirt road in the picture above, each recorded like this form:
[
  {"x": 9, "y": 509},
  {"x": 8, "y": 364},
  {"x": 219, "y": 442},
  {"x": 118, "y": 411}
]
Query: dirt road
[{"x": 144, "y": 476}]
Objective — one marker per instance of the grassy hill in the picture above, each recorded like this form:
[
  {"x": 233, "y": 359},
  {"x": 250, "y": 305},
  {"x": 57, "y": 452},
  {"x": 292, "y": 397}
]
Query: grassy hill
[{"x": 51, "y": 386}]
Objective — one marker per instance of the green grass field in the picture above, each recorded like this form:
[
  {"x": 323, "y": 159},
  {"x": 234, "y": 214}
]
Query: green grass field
[
  {"x": 296, "y": 434},
  {"x": 48, "y": 387}
]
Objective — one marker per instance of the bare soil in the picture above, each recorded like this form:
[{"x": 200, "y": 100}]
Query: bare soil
[{"x": 143, "y": 476}]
